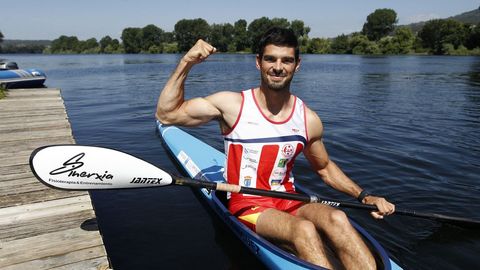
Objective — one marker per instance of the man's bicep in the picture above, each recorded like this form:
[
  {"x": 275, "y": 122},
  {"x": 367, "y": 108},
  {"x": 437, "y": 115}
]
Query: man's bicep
[
  {"x": 197, "y": 111},
  {"x": 316, "y": 154}
]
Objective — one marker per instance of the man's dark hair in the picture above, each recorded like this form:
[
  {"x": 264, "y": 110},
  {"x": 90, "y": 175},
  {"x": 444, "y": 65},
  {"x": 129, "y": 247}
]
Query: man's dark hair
[{"x": 280, "y": 37}]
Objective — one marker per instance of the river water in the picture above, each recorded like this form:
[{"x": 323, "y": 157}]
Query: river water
[{"x": 405, "y": 127}]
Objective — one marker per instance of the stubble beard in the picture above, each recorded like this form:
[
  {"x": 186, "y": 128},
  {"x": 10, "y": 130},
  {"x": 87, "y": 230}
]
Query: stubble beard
[{"x": 276, "y": 86}]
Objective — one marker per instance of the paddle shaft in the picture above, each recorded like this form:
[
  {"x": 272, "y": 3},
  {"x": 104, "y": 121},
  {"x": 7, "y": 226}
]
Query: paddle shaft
[{"x": 315, "y": 199}]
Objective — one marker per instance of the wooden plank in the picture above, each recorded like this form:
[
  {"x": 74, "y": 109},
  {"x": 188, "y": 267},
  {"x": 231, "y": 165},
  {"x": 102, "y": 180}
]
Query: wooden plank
[
  {"x": 52, "y": 126},
  {"x": 18, "y": 159},
  {"x": 44, "y": 194},
  {"x": 31, "y": 144},
  {"x": 19, "y": 186},
  {"x": 13, "y": 177},
  {"x": 45, "y": 245},
  {"x": 36, "y": 102},
  {"x": 57, "y": 111},
  {"x": 80, "y": 259},
  {"x": 37, "y": 125},
  {"x": 28, "y": 93},
  {"x": 29, "y": 228},
  {"x": 34, "y": 134},
  {"x": 14, "y": 169},
  {"x": 45, "y": 208}
]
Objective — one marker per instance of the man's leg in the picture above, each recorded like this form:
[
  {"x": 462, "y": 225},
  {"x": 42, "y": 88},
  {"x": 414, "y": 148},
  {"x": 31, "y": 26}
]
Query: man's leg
[
  {"x": 348, "y": 244},
  {"x": 294, "y": 233}
]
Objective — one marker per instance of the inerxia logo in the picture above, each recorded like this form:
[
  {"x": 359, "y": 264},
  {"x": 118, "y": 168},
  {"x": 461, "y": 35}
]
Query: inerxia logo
[{"x": 70, "y": 166}]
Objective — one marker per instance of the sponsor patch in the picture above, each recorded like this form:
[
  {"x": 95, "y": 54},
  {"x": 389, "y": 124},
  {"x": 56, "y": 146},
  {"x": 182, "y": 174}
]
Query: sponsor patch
[
  {"x": 276, "y": 182},
  {"x": 282, "y": 163}
]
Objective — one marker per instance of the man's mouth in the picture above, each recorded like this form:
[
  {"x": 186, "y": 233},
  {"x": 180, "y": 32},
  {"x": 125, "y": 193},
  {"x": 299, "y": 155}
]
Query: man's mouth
[{"x": 276, "y": 77}]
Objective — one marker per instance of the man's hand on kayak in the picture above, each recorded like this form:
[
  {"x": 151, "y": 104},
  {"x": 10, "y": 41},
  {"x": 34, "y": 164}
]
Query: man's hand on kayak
[{"x": 385, "y": 208}]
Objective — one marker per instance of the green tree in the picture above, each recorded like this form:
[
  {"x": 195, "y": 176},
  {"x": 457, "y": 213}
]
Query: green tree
[
  {"x": 360, "y": 44},
  {"x": 436, "y": 33},
  {"x": 340, "y": 45},
  {"x": 401, "y": 42},
  {"x": 405, "y": 39},
  {"x": 151, "y": 36},
  {"x": 187, "y": 32},
  {"x": 89, "y": 46},
  {"x": 104, "y": 42},
  {"x": 221, "y": 35},
  {"x": 473, "y": 39},
  {"x": 168, "y": 37},
  {"x": 240, "y": 36},
  {"x": 301, "y": 31},
  {"x": 131, "y": 38},
  {"x": 318, "y": 45},
  {"x": 255, "y": 30},
  {"x": 65, "y": 44},
  {"x": 380, "y": 23},
  {"x": 112, "y": 47}
]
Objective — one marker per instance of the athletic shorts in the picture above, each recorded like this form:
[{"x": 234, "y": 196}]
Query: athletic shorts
[{"x": 247, "y": 210}]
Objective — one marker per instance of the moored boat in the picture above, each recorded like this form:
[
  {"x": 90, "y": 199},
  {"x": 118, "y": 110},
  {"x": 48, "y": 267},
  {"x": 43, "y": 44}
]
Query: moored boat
[
  {"x": 13, "y": 77},
  {"x": 201, "y": 161}
]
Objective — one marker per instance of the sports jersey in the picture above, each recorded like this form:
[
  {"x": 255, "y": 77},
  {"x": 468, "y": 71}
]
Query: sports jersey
[{"x": 261, "y": 152}]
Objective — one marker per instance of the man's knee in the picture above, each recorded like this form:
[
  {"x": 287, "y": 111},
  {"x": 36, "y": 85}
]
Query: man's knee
[
  {"x": 338, "y": 219},
  {"x": 304, "y": 230}
]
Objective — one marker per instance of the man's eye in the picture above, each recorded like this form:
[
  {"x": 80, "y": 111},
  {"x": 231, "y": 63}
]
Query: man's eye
[{"x": 269, "y": 59}]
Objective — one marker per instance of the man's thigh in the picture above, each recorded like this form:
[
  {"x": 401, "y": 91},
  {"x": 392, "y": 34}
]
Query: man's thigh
[{"x": 277, "y": 225}]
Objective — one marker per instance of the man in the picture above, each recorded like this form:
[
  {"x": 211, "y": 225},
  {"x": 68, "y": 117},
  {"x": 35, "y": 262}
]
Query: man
[{"x": 264, "y": 130}]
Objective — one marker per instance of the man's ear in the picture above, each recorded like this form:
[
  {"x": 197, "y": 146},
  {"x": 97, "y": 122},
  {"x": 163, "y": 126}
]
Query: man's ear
[
  {"x": 299, "y": 60},
  {"x": 257, "y": 61}
]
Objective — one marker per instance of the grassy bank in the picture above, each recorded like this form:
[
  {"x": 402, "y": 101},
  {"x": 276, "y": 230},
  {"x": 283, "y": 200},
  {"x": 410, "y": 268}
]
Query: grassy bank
[{"x": 2, "y": 92}]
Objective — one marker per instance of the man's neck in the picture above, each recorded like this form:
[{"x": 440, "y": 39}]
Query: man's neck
[{"x": 274, "y": 103}]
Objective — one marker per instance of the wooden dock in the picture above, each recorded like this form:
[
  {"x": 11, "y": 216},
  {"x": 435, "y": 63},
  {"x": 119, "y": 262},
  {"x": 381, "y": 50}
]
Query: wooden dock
[{"x": 41, "y": 228}]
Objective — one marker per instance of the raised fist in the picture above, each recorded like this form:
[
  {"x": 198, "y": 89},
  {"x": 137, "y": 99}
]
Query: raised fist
[{"x": 199, "y": 52}]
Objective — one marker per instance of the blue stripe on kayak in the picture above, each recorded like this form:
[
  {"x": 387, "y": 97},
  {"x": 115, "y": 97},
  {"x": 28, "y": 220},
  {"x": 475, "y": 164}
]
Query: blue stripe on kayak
[{"x": 270, "y": 140}]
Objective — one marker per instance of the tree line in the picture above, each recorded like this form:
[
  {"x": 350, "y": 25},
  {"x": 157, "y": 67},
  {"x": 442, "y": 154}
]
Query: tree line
[{"x": 379, "y": 35}]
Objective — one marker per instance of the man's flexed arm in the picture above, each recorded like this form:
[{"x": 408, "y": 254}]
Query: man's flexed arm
[{"x": 172, "y": 108}]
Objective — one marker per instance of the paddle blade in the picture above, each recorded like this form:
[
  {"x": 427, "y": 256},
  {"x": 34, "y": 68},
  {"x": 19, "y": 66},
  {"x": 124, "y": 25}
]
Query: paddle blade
[{"x": 77, "y": 167}]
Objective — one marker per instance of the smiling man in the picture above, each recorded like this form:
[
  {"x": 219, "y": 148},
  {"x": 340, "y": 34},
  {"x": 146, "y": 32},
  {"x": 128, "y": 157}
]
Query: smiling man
[{"x": 264, "y": 130}]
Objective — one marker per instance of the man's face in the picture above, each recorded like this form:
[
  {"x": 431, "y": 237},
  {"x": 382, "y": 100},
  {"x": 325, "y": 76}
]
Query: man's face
[{"x": 277, "y": 67}]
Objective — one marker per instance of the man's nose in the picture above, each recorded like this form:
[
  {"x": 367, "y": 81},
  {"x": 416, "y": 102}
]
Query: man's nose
[{"x": 278, "y": 67}]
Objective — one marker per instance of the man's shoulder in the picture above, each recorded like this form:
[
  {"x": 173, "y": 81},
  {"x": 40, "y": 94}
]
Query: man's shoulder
[{"x": 226, "y": 96}]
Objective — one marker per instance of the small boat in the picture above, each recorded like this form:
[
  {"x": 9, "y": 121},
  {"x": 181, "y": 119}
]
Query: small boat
[
  {"x": 13, "y": 77},
  {"x": 201, "y": 161}
]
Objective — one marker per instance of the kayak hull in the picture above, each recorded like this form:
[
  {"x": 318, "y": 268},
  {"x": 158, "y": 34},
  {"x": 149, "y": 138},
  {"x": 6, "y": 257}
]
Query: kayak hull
[{"x": 201, "y": 161}]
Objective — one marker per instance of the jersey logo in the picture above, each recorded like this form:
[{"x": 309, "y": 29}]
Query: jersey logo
[
  {"x": 247, "y": 181},
  {"x": 288, "y": 150}
]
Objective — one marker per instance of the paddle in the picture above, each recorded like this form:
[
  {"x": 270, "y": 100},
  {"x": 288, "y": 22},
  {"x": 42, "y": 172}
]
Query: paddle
[{"x": 76, "y": 167}]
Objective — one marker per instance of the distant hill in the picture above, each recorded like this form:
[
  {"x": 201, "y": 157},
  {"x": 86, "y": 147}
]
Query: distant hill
[{"x": 471, "y": 17}]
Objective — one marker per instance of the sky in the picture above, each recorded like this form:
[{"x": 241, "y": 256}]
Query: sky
[{"x": 49, "y": 19}]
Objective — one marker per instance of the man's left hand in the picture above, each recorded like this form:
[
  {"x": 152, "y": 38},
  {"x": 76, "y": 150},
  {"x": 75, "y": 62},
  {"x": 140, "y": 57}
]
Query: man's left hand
[{"x": 385, "y": 208}]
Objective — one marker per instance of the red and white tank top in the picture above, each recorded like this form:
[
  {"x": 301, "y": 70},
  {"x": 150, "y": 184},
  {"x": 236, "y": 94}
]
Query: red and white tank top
[{"x": 261, "y": 152}]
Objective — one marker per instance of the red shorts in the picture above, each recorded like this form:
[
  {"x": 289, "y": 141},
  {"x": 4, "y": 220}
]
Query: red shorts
[{"x": 248, "y": 209}]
